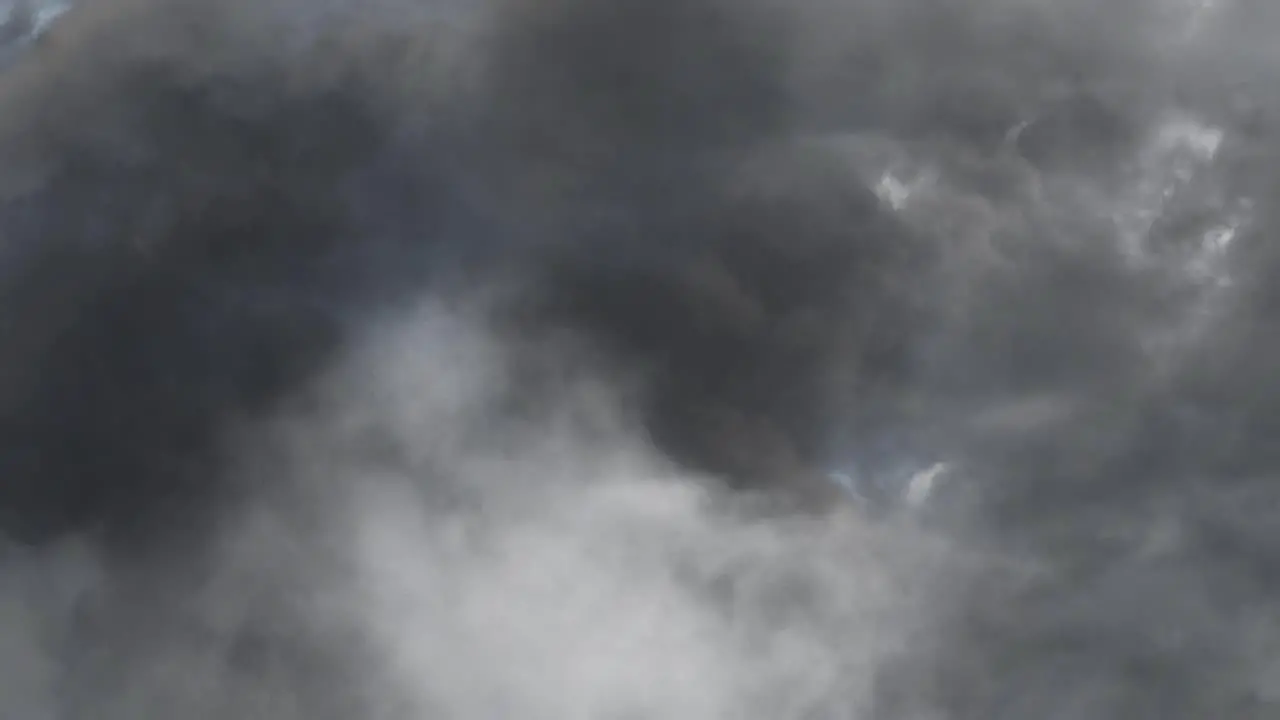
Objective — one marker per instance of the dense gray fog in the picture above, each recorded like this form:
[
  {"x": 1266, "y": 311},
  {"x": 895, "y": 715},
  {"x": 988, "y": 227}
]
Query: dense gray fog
[{"x": 639, "y": 359}]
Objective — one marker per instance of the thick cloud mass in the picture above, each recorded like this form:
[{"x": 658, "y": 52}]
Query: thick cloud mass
[{"x": 422, "y": 358}]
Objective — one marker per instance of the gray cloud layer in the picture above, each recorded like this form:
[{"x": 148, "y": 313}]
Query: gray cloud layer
[{"x": 435, "y": 359}]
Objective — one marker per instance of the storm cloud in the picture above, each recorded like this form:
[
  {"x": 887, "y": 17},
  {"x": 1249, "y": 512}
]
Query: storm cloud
[{"x": 442, "y": 359}]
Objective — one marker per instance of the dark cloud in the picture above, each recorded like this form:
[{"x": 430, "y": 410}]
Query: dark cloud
[
  {"x": 205, "y": 234},
  {"x": 204, "y": 209}
]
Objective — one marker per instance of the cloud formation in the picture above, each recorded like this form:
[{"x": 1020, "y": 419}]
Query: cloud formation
[{"x": 441, "y": 359}]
